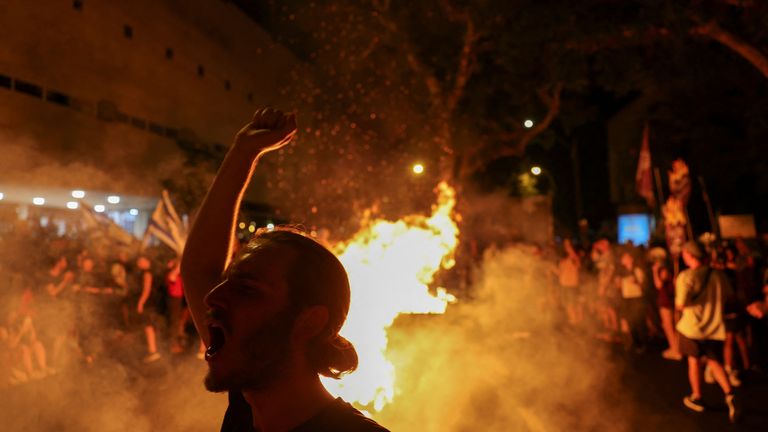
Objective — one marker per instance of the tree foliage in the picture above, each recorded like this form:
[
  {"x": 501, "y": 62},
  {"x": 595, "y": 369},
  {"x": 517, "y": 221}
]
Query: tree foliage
[{"x": 449, "y": 83}]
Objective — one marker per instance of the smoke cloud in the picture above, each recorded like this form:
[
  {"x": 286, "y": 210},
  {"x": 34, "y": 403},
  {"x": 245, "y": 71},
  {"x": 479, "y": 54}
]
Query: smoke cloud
[
  {"x": 502, "y": 361},
  {"x": 25, "y": 161}
]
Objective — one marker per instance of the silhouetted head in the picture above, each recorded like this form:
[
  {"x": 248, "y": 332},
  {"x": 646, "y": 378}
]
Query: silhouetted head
[
  {"x": 283, "y": 301},
  {"x": 315, "y": 278}
]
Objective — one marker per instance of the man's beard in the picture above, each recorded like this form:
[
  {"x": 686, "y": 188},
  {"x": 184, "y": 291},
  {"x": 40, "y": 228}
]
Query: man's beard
[{"x": 267, "y": 355}]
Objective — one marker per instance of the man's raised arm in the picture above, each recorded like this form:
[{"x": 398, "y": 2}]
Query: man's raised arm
[{"x": 208, "y": 248}]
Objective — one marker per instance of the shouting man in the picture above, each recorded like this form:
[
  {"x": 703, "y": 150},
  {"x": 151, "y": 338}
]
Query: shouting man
[{"x": 270, "y": 315}]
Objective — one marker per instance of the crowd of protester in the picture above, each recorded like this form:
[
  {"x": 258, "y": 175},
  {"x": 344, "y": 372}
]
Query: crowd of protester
[
  {"x": 66, "y": 301},
  {"x": 630, "y": 295}
]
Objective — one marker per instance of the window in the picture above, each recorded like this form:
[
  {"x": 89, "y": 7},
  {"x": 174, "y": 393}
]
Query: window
[
  {"x": 138, "y": 123},
  {"x": 227, "y": 85},
  {"x": 122, "y": 117},
  {"x": 77, "y": 4},
  {"x": 83, "y": 106},
  {"x": 57, "y": 97},
  {"x": 28, "y": 88},
  {"x": 5, "y": 81},
  {"x": 200, "y": 70},
  {"x": 156, "y": 129},
  {"x": 128, "y": 31},
  {"x": 169, "y": 53}
]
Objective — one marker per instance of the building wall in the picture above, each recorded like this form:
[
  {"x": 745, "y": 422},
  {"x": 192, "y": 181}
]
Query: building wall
[{"x": 114, "y": 83}]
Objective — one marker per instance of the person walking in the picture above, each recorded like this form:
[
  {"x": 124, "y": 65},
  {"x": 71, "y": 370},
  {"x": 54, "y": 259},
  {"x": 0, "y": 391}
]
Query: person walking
[{"x": 701, "y": 293}]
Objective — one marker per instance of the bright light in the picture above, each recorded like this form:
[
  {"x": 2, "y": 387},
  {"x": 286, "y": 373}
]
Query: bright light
[
  {"x": 38, "y": 200},
  {"x": 418, "y": 168},
  {"x": 241, "y": 225},
  {"x": 251, "y": 228},
  {"x": 270, "y": 226},
  {"x": 417, "y": 246},
  {"x": 99, "y": 208},
  {"x": 78, "y": 194},
  {"x": 536, "y": 170},
  {"x": 72, "y": 205},
  {"x": 1, "y": 195},
  {"x": 113, "y": 199},
  {"x": 528, "y": 123},
  {"x": 133, "y": 212}
]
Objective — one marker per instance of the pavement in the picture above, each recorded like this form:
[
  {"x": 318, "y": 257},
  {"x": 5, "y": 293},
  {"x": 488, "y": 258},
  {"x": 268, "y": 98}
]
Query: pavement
[
  {"x": 658, "y": 386},
  {"x": 629, "y": 392}
]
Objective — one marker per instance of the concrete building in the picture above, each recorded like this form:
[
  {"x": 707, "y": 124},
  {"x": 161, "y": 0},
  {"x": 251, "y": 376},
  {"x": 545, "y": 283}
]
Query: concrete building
[{"x": 95, "y": 95}]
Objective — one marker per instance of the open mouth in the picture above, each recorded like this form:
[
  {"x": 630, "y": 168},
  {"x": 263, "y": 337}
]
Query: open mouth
[{"x": 217, "y": 340}]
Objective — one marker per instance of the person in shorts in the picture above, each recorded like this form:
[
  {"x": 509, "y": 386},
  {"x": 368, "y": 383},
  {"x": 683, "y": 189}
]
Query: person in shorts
[{"x": 700, "y": 296}]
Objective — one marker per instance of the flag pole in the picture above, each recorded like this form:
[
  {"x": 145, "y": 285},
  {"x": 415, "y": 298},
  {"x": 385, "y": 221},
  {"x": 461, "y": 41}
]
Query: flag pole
[
  {"x": 712, "y": 220},
  {"x": 659, "y": 190}
]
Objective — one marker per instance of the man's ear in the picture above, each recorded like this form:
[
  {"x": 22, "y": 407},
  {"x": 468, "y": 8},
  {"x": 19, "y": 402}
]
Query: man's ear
[{"x": 310, "y": 322}]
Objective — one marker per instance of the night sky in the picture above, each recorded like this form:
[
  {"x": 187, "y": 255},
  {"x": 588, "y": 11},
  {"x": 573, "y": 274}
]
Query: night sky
[{"x": 638, "y": 62}]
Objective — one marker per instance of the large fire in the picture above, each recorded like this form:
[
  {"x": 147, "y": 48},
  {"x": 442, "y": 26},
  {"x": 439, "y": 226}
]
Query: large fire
[{"x": 390, "y": 266}]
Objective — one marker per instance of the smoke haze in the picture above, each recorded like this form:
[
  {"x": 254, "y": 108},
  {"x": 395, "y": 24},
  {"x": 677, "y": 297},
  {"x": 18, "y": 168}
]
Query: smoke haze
[
  {"x": 498, "y": 362},
  {"x": 502, "y": 361}
]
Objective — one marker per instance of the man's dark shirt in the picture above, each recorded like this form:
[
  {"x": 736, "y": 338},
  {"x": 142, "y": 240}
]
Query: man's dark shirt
[{"x": 338, "y": 416}]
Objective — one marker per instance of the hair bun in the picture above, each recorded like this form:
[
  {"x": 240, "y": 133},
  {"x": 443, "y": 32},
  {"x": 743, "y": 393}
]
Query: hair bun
[{"x": 337, "y": 356}]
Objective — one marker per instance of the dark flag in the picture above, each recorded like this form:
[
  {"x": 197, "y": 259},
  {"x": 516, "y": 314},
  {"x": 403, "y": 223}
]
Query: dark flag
[{"x": 644, "y": 175}]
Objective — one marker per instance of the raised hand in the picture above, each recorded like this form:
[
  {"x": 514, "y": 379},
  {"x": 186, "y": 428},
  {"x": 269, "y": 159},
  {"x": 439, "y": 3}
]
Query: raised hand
[{"x": 269, "y": 130}]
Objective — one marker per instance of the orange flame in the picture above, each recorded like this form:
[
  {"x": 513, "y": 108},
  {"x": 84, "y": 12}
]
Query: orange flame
[{"x": 390, "y": 266}]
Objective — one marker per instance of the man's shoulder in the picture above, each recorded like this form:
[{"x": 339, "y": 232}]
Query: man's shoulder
[
  {"x": 340, "y": 416},
  {"x": 698, "y": 273}
]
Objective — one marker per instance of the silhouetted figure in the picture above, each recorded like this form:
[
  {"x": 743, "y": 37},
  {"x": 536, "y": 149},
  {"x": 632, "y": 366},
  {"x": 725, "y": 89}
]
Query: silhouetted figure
[{"x": 270, "y": 316}]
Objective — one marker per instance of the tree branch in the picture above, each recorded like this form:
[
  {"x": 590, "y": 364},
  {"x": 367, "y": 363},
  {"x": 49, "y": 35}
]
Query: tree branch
[
  {"x": 713, "y": 31},
  {"x": 430, "y": 80},
  {"x": 553, "y": 103},
  {"x": 487, "y": 150},
  {"x": 465, "y": 66}
]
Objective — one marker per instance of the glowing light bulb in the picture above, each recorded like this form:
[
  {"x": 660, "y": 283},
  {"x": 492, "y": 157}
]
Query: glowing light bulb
[
  {"x": 528, "y": 124},
  {"x": 38, "y": 201},
  {"x": 536, "y": 170},
  {"x": 418, "y": 168},
  {"x": 133, "y": 212},
  {"x": 113, "y": 199},
  {"x": 99, "y": 208},
  {"x": 72, "y": 205},
  {"x": 78, "y": 194}
]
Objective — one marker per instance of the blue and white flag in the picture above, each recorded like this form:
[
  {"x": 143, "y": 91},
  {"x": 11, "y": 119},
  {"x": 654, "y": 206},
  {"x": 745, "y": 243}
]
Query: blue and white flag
[{"x": 166, "y": 225}]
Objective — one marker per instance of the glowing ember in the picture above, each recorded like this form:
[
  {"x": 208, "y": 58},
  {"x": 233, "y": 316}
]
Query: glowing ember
[{"x": 390, "y": 266}]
